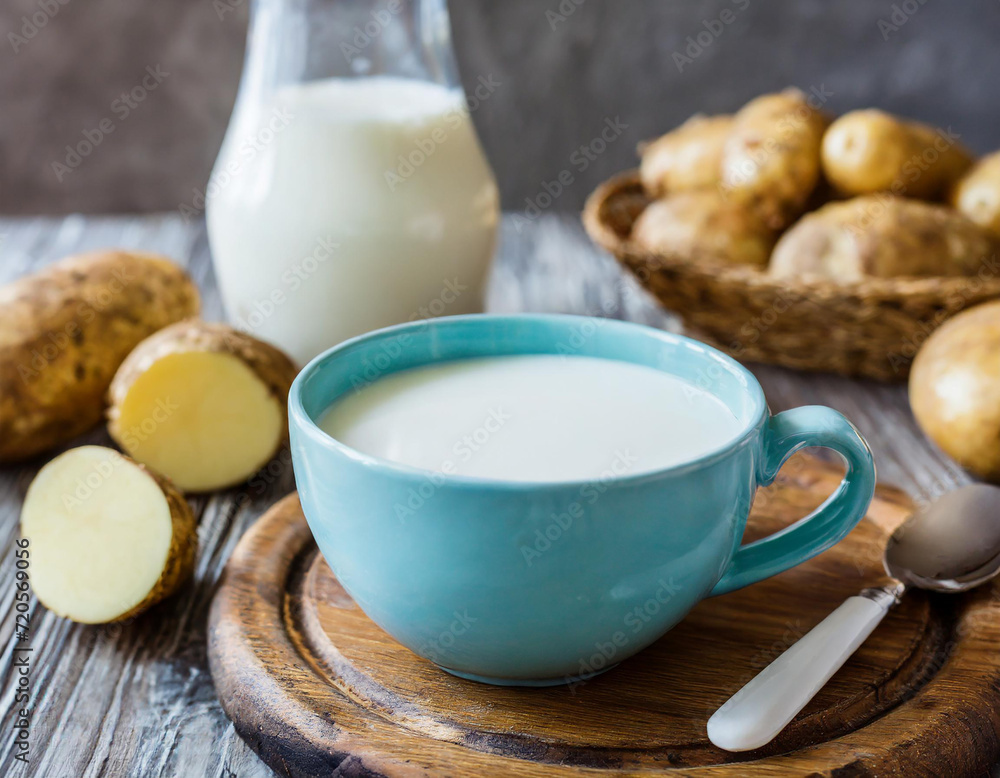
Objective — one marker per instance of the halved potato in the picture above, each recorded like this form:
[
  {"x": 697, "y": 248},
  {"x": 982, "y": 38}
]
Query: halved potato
[
  {"x": 108, "y": 538},
  {"x": 202, "y": 404}
]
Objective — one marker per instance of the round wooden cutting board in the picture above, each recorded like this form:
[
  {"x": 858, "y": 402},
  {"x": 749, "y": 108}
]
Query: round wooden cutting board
[{"x": 316, "y": 688}]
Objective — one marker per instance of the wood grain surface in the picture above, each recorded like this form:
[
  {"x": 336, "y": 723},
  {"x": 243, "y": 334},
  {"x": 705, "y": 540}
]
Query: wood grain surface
[
  {"x": 313, "y": 684},
  {"x": 137, "y": 699}
]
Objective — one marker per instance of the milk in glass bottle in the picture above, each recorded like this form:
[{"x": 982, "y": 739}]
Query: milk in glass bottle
[{"x": 351, "y": 191}]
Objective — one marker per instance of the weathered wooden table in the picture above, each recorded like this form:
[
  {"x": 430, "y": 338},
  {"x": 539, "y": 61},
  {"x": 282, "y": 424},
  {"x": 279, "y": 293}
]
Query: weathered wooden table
[{"x": 138, "y": 700}]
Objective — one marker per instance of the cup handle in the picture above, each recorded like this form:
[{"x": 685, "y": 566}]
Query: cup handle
[{"x": 786, "y": 433}]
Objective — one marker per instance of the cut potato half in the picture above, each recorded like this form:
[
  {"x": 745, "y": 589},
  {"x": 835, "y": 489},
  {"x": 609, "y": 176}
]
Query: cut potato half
[
  {"x": 108, "y": 539},
  {"x": 203, "y": 404}
]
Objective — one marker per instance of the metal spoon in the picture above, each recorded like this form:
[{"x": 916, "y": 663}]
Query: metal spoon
[{"x": 950, "y": 545}]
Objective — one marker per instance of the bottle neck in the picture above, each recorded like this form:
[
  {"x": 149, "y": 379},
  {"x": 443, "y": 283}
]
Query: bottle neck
[{"x": 292, "y": 41}]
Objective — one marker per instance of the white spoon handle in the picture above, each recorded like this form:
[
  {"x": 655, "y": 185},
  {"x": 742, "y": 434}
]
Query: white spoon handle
[{"x": 760, "y": 710}]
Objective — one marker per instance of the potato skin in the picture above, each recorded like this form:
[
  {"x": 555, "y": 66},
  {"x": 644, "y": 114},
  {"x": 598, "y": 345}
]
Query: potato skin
[
  {"x": 270, "y": 364},
  {"x": 689, "y": 157},
  {"x": 63, "y": 334},
  {"x": 977, "y": 193},
  {"x": 881, "y": 236},
  {"x": 704, "y": 224},
  {"x": 955, "y": 389},
  {"x": 770, "y": 161},
  {"x": 872, "y": 151}
]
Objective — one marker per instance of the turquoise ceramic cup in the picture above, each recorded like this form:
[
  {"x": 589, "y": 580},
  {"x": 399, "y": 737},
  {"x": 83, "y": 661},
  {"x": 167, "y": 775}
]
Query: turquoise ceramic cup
[{"x": 542, "y": 583}]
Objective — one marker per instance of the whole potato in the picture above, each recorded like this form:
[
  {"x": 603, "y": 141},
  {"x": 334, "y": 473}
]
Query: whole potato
[
  {"x": 881, "y": 236},
  {"x": 955, "y": 389},
  {"x": 688, "y": 157},
  {"x": 64, "y": 332},
  {"x": 977, "y": 193},
  {"x": 873, "y": 151},
  {"x": 770, "y": 161},
  {"x": 703, "y": 224}
]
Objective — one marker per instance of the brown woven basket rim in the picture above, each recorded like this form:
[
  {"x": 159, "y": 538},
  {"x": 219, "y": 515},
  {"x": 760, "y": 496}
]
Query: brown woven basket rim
[{"x": 890, "y": 290}]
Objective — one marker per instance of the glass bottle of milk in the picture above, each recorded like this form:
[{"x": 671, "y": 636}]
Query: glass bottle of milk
[{"x": 351, "y": 191}]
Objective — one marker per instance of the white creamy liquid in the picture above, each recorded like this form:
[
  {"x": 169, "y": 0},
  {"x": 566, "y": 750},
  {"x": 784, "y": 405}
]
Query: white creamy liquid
[
  {"x": 533, "y": 418},
  {"x": 347, "y": 205}
]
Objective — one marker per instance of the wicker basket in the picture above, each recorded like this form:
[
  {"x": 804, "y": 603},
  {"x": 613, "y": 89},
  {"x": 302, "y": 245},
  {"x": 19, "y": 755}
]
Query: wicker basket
[{"x": 869, "y": 328}]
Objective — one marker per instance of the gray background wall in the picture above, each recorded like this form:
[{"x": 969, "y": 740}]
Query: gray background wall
[{"x": 559, "y": 82}]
